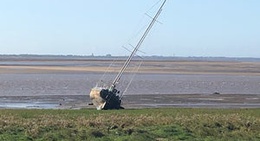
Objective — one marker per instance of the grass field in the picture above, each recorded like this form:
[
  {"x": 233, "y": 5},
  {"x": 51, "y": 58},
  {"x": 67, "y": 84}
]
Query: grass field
[{"x": 139, "y": 124}]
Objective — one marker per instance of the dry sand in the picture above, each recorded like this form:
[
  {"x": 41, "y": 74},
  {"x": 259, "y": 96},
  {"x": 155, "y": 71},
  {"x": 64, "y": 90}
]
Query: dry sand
[{"x": 169, "y": 83}]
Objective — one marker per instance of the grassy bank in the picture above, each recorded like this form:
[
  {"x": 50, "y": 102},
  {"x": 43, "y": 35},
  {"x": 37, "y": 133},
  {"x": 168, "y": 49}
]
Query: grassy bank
[{"x": 141, "y": 124}]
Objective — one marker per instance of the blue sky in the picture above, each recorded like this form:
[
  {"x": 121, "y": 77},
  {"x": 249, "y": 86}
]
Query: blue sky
[{"x": 226, "y": 28}]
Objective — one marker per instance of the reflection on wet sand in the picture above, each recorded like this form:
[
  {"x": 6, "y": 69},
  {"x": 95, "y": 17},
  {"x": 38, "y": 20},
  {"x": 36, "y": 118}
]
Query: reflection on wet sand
[{"x": 135, "y": 101}]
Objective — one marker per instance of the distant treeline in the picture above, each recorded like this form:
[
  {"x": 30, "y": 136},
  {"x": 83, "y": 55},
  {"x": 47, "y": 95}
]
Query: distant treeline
[{"x": 110, "y": 57}]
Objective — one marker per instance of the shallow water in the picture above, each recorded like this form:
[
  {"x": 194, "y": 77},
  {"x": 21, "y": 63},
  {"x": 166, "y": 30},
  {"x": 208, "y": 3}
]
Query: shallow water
[
  {"x": 22, "y": 88},
  {"x": 25, "y": 105},
  {"x": 81, "y": 83},
  {"x": 134, "y": 101}
]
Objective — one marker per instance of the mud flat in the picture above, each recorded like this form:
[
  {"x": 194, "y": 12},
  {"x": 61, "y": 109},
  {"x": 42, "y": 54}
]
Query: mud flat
[
  {"x": 65, "y": 83},
  {"x": 134, "y": 101}
]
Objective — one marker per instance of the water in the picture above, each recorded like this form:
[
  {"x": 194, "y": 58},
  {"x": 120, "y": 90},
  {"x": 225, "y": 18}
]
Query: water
[
  {"x": 81, "y": 83},
  {"x": 25, "y": 105},
  {"x": 27, "y": 88}
]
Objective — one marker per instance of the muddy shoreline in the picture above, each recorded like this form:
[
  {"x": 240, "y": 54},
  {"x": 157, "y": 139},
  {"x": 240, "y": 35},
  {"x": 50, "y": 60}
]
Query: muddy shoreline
[
  {"x": 135, "y": 101},
  {"x": 172, "y": 83}
]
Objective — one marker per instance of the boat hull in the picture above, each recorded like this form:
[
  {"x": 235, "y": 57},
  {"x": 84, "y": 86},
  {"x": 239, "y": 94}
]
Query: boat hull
[
  {"x": 96, "y": 99},
  {"x": 104, "y": 99}
]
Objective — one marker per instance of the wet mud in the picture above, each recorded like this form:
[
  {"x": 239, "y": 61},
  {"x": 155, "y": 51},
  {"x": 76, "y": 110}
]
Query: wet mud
[
  {"x": 134, "y": 101},
  {"x": 66, "y": 84}
]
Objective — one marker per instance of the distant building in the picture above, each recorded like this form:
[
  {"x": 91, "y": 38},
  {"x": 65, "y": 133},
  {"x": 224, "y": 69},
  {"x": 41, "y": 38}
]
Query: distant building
[{"x": 108, "y": 55}]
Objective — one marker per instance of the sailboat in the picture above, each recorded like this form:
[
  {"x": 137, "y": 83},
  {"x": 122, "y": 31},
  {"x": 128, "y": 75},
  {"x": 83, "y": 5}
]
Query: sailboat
[{"x": 105, "y": 98}]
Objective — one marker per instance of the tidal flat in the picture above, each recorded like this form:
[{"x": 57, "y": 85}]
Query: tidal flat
[{"x": 65, "y": 82}]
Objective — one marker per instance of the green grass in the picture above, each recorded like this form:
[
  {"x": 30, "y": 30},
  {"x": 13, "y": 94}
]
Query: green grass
[{"x": 138, "y": 124}]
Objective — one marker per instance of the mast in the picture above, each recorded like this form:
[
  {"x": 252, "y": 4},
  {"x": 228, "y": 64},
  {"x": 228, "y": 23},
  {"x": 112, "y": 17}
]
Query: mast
[{"x": 117, "y": 78}]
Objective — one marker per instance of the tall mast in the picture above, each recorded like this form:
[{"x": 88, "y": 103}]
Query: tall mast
[{"x": 117, "y": 78}]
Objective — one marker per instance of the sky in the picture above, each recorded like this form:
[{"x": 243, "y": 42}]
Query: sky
[{"x": 201, "y": 28}]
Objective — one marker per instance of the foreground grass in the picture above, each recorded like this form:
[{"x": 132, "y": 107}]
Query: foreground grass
[{"x": 142, "y": 124}]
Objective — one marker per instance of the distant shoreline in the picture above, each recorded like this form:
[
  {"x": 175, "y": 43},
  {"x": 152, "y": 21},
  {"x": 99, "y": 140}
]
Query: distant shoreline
[{"x": 21, "y": 57}]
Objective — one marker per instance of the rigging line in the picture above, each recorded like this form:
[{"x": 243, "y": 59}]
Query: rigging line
[
  {"x": 134, "y": 71},
  {"x": 152, "y": 18},
  {"x": 116, "y": 80},
  {"x": 136, "y": 34},
  {"x": 154, "y": 5},
  {"x": 106, "y": 71},
  {"x": 138, "y": 49},
  {"x": 141, "y": 62},
  {"x": 136, "y": 54},
  {"x": 137, "y": 31}
]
